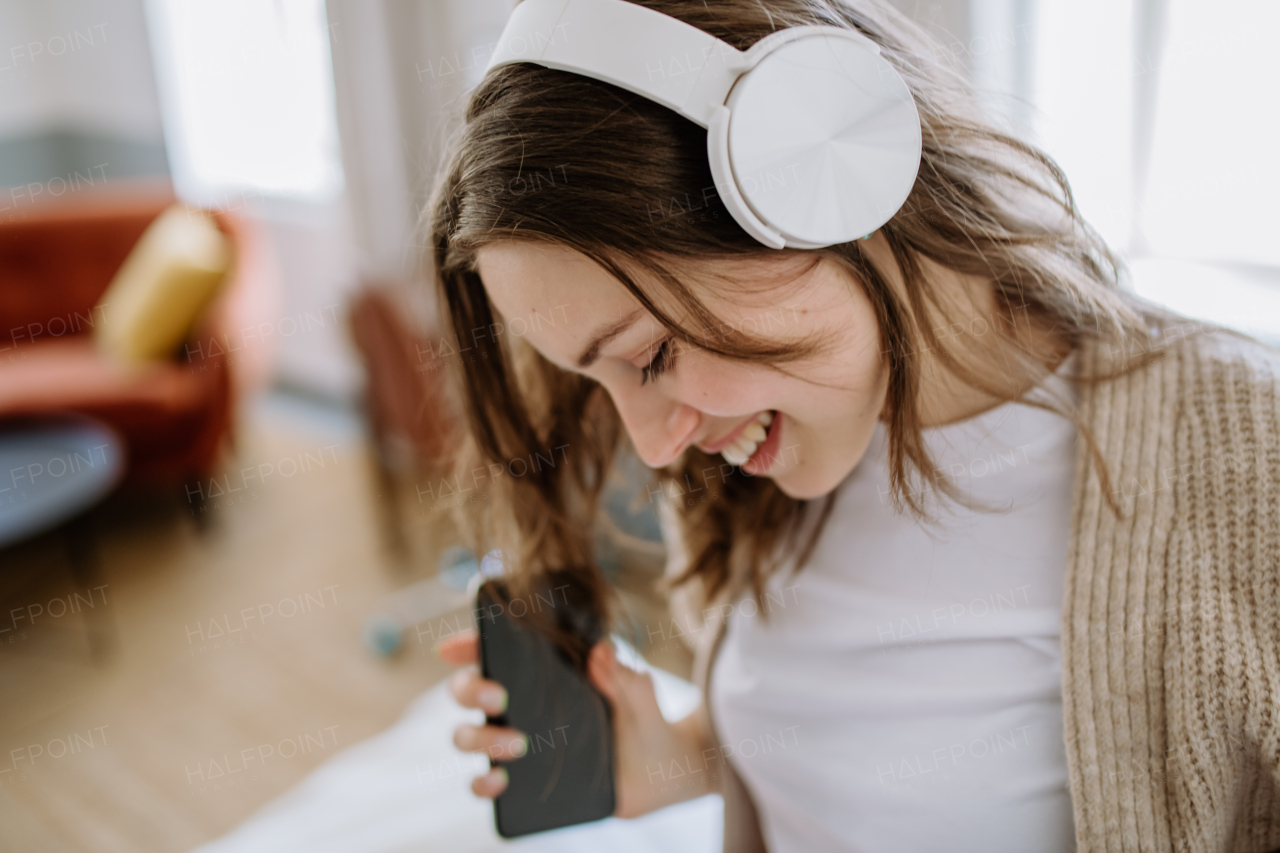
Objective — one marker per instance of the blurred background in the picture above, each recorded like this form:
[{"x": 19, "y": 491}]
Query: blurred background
[{"x": 242, "y": 538}]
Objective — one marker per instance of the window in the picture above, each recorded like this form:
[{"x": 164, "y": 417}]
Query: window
[
  {"x": 246, "y": 90},
  {"x": 1163, "y": 115},
  {"x": 1213, "y": 175}
]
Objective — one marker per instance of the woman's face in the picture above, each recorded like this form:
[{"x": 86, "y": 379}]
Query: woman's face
[{"x": 813, "y": 426}]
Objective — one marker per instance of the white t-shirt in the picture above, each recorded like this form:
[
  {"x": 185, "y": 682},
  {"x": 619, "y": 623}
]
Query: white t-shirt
[{"x": 905, "y": 692}]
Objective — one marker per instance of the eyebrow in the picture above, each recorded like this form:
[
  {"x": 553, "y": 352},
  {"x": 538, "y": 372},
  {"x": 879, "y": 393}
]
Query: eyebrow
[{"x": 608, "y": 333}]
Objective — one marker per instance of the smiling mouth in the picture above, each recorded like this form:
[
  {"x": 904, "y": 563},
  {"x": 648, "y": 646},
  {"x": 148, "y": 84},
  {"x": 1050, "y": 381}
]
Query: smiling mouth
[{"x": 747, "y": 442}]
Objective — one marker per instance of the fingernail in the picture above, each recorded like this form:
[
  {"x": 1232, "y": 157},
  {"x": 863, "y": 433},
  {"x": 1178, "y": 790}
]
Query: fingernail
[
  {"x": 498, "y": 779},
  {"x": 493, "y": 699},
  {"x": 521, "y": 746}
]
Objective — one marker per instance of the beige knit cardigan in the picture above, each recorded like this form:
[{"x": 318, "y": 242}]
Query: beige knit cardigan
[{"x": 1171, "y": 612}]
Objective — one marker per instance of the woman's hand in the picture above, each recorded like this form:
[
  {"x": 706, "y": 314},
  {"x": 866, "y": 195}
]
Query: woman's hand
[
  {"x": 472, "y": 691},
  {"x": 645, "y": 744}
]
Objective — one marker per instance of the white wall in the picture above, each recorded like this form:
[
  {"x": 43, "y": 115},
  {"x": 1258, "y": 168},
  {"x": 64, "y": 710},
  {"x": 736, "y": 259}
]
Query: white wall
[
  {"x": 400, "y": 67},
  {"x": 77, "y": 65}
]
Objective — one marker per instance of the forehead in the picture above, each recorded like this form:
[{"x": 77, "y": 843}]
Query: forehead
[
  {"x": 552, "y": 296},
  {"x": 521, "y": 275},
  {"x": 523, "y": 278}
]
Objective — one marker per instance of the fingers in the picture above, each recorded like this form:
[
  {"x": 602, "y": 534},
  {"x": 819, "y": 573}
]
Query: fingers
[
  {"x": 472, "y": 691},
  {"x": 466, "y": 685},
  {"x": 498, "y": 742},
  {"x": 461, "y": 648},
  {"x": 490, "y": 784}
]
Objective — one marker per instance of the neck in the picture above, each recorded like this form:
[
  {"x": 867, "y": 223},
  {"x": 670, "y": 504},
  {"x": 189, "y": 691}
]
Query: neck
[{"x": 988, "y": 338}]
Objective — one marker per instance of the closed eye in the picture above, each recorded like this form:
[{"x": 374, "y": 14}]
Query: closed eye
[{"x": 662, "y": 361}]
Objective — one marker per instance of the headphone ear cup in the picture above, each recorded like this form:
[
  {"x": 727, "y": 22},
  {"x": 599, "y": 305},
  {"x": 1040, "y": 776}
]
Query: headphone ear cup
[
  {"x": 727, "y": 189},
  {"x": 823, "y": 140}
]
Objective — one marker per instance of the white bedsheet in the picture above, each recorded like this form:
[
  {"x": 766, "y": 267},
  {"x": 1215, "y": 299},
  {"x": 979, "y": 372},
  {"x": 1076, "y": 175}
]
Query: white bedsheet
[{"x": 408, "y": 789}]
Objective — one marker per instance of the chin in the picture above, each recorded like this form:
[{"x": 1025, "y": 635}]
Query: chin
[{"x": 804, "y": 485}]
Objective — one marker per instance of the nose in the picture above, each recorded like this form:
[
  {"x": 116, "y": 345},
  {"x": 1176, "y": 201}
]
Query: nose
[{"x": 660, "y": 428}]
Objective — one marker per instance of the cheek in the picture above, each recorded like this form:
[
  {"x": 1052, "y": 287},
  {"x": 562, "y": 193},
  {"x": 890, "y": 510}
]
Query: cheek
[{"x": 724, "y": 388}]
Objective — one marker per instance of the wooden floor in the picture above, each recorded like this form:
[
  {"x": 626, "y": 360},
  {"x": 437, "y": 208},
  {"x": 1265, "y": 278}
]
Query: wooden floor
[{"x": 216, "y": 667}]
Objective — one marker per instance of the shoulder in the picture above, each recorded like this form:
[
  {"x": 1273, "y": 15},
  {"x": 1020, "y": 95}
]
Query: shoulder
[
  {"x": 1228, "y": 386},
  {"x": 1227, "y": 397},
  {"x": 1205, "y": 346},
  {"x": 1203, "y": 364},
  {"x": 1223, "y": 426},
  {"x": 1200, "y": 416}
]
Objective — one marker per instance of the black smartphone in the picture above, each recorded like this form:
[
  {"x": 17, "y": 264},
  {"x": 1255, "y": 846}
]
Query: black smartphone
[{"x": 566, "y": 777}]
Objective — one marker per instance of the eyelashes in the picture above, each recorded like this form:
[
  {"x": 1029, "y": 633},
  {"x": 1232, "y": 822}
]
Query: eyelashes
[{"x": 662, "y": 361}]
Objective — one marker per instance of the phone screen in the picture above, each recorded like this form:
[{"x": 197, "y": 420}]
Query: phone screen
[{"x": 566, "y": 777}]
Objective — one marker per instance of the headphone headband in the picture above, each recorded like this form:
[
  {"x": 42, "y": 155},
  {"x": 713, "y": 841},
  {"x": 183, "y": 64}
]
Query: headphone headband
[
  {"x": 614, "y": 41},
  {"x": 852, "y": 161}
]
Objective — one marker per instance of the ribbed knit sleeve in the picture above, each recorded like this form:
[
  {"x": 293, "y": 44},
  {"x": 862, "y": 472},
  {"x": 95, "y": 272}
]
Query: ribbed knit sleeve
[
  {"x": 1171, "y": 615},
  {"x": 1224, "y": 674}
]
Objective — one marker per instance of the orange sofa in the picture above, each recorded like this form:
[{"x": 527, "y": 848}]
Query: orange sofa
[{"x": 175, "y": 417}]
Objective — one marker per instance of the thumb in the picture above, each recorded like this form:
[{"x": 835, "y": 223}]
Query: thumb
[
  {"x": 602, "y": 670},
  {"x": 626, "y": 689}
]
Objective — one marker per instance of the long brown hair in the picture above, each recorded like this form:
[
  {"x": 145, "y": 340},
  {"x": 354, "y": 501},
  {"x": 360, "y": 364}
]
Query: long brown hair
[{"x": 550, "y": 156}]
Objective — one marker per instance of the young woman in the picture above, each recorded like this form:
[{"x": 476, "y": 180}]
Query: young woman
[{"x": 977, "y": 550}]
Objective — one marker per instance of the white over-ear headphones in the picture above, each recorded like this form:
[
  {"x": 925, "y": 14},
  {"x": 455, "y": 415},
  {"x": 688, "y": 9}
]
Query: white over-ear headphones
[{"x": 813, "y": 138}]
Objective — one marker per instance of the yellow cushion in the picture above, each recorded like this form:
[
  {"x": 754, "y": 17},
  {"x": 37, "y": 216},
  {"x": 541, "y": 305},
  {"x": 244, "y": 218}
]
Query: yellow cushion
[{"x": 159, "y": 292}]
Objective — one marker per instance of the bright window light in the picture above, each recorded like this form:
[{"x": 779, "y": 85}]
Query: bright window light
[
  {"x": 1214, "y": 176},
  {"x": 246, "y": 89},
  {"x": 1233, "y": 297},
  {"x": 1084, "y": 105},
  {"x": 1195, "y": 213}
]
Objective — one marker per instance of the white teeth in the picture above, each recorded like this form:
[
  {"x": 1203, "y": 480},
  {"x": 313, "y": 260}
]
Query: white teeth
[{"x": 748, "y": 441}]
